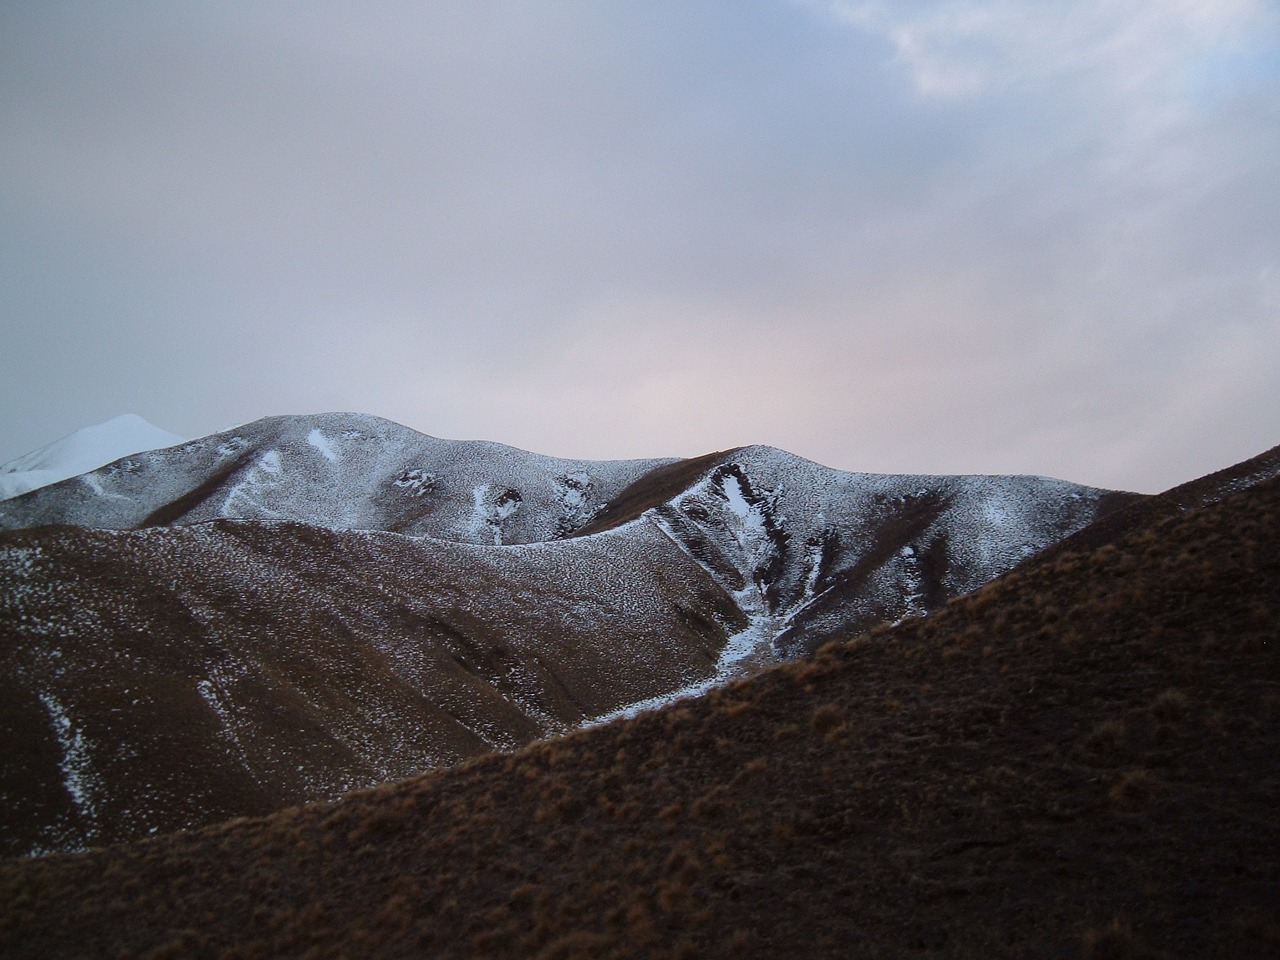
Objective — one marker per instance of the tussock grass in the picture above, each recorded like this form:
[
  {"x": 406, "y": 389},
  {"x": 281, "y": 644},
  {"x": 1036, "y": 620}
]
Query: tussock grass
[{"x": 1079, "y": 760}]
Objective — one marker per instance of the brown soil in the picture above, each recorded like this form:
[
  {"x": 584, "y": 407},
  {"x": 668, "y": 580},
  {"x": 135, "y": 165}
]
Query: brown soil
[{"x": 1080, "y": 760}]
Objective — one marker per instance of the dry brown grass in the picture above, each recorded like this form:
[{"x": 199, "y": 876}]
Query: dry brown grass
[{"x": 995, "y": 792}]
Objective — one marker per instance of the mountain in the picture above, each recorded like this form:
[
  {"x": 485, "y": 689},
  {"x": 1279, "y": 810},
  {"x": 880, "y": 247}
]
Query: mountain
[
  {"x": 1080, "y": 759},
  {"x": 308, "y": 605},
  {"x": 82, "y": 451},
  {"x": 341, "y": 471}
]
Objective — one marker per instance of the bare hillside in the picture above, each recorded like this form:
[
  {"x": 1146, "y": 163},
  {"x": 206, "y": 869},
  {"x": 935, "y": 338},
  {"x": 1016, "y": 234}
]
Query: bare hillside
[
  {"x": 1080, "y": 759},
  {"x": 310, "y": 605}
]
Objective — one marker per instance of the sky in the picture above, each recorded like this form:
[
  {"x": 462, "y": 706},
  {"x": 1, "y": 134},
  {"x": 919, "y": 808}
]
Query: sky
[{"x": 920, "y": 236}]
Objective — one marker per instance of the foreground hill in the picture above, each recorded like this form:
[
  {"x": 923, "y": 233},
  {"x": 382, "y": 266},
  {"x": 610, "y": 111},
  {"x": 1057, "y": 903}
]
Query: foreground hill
[
  {"x": 1080, "y": 759},
  {"x": 308, "y": 605}
]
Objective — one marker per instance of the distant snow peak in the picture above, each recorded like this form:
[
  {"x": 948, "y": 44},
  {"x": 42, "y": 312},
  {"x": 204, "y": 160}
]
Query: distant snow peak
[{"x": 79, "y": 452}]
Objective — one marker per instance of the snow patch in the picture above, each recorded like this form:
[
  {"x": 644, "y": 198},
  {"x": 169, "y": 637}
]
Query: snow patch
[
  {"x": 318, "y": 440},
  {"x": 732, "y": 488},
  {"x": 416, "y": 481},
  {"x": 261, "y": 474},
  {"x": 230, "y": 447},
  {"x": 493, "y": 505}
]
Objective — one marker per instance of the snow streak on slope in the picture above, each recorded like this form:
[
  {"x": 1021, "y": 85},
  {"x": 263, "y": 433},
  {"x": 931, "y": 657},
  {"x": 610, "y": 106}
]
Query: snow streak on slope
[
  {"x": 791, "y": 540},
  {"x": 318, "y": 440},
  {"x": 752, "y": 644},
  {"x": 799, "y": 546},
  {"x": 80, "y": 452}
]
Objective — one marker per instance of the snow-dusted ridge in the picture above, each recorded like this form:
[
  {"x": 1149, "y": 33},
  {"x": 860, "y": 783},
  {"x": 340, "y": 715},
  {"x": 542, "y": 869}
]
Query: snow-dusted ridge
[
  {"x": 342, "y": 471},
  {"x": 82, "y": 451},
  {"x": 303, "y": 605},
  {"x": 806, "y": 551},
  {"x": 792, "y": 542}
]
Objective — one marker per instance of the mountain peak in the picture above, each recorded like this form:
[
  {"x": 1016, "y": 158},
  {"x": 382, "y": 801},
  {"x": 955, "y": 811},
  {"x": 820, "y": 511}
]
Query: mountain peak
[{"x": 81, "y": 451}]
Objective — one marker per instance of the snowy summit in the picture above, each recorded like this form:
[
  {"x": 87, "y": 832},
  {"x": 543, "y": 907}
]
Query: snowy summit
[{"x": 79, "y": 452}]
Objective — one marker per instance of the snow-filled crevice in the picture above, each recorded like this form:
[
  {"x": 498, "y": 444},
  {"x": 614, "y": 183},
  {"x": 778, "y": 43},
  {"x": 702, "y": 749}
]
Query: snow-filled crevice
[
  {"x": 736, "y": 533},
  {"x": 494, "y": 505},
  {"x": 75, "y": 762}
]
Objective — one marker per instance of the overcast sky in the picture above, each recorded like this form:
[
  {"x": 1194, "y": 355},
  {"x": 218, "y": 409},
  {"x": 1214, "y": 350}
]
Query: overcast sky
[{"x": 943, "y": 236}]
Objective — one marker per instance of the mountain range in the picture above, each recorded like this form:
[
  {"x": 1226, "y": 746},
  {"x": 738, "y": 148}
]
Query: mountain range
[
  {"x": 1078, "y": 758},
  {"x": 306, "y": 605}
]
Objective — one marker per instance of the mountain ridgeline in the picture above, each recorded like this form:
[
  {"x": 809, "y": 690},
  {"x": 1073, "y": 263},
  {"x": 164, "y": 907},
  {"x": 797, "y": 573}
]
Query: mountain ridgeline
[
  {"x": 308, "y": 605},
  {"x": 1080, "y": 759}
]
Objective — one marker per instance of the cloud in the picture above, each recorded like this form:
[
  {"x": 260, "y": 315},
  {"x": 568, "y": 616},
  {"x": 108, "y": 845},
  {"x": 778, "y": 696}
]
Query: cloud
[
  {"x": 1135, "y": 48},
  {"x": 625, "y": 230}
]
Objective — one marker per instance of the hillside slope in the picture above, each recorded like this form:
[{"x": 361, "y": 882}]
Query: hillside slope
[
  {"x": 340, "y": 470},
  {"x": 158, "y": 679},
  {"x": 1081, "y": 759},
  {"x": 161, "y": 669}
]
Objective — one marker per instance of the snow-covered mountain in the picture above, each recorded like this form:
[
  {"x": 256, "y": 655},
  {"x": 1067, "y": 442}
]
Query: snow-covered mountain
[
  {"x": 82, "y": 451},
  {"x": 305, "y": 605},
  {"x": 1077, "y": 760},
  {"x": 342, "y": 471}
]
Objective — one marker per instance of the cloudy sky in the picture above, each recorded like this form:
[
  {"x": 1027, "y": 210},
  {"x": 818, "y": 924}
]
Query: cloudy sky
[{"x": 938, "y": 236}]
